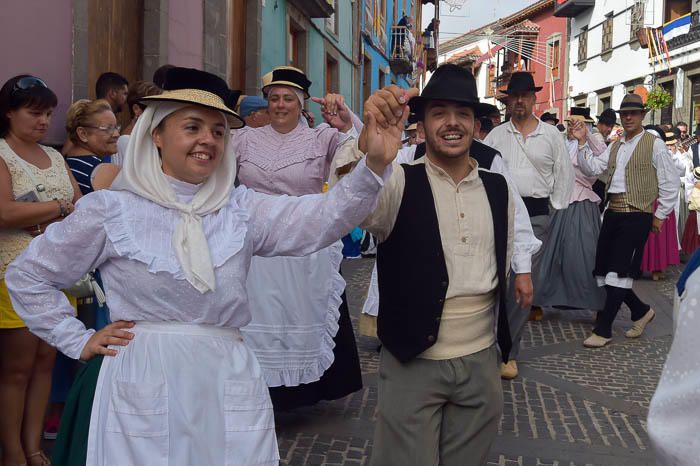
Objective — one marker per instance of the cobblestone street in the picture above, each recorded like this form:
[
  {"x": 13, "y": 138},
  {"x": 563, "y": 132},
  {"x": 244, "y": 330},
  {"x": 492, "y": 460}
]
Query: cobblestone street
[{"x": 570, "y": 406}]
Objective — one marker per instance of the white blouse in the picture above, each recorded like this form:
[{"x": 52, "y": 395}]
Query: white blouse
[{"x": 129, "y": 239}]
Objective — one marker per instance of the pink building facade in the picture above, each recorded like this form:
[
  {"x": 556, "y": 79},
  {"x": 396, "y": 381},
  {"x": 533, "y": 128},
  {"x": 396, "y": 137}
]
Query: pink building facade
[{"x": 68, "y": 43}]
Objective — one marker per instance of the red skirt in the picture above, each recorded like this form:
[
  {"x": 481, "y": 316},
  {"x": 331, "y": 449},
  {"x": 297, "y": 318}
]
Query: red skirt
[
  {"x": 691, "y": 238},
  {"x": 661, "y": 249}
]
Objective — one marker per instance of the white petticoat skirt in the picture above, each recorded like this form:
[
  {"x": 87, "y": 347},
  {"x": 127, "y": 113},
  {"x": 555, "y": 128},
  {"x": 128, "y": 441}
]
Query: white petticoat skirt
[
  {"x": 294, "y": 305},
  {"x": 179, "y": 395}
]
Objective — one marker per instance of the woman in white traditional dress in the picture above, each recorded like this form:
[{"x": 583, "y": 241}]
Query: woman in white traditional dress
[
  {"x": 173, "y": 239},
  {"x": 674, "y": 412},
  {"x": 301, "y": 333}
]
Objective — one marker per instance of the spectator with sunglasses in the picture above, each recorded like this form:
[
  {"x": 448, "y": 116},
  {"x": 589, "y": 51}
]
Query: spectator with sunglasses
[
  {"x": 36, "y": 188},
  {"x": 137, "y": 91}
]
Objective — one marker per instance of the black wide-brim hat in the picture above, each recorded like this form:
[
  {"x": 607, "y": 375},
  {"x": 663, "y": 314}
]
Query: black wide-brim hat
[
  {"x": 486, "y": 110},
  {"x": 450, "y": 83},
  {"x": 287, "y": 76},
  {"x": 197, "y": 87},
  {"x": 608, "y": 117},
  {"x": 522, "y": 81},
  {"x": 546, "y": 116}
]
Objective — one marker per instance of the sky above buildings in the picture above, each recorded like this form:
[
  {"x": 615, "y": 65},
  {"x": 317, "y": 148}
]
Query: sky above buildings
[{"x": 472, "y": 14}]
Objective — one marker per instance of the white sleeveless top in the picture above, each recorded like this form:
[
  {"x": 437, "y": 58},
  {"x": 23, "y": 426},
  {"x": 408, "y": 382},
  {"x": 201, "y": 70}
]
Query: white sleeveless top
[{"x": 56, "y": 183}]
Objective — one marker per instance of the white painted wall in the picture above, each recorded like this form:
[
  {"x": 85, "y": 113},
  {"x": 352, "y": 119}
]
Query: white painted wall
[{"x": 628, "y": 62}]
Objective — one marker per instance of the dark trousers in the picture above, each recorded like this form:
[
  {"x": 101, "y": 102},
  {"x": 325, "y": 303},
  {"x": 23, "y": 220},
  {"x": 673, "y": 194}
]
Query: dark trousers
[{"x": 614, "y": 299}]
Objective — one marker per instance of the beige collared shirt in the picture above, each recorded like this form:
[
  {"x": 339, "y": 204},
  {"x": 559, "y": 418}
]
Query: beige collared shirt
[{"x": 466, "y": 226}]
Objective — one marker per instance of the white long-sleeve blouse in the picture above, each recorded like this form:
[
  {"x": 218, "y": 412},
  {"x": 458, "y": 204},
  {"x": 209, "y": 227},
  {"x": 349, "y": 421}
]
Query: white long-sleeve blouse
[{"x": 129, "y": 239}]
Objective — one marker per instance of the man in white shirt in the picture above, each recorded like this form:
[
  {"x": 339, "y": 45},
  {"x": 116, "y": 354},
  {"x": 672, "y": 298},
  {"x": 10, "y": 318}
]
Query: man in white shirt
[
  {"x": 538, "y": 162},
  {"x": 640, "y": 171}
]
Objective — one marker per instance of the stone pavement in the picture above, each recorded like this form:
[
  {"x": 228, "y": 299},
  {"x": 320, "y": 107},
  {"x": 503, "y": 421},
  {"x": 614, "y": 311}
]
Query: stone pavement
[{"x": 570, "y": 406}]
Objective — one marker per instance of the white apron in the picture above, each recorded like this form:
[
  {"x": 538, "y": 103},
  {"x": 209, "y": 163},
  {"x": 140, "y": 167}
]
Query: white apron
[
  {"x": 179, "y": 395},
  {"x": 294, "y": 305}
]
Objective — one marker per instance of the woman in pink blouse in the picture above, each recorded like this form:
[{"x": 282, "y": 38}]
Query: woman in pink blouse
[
  {"x": 566, "y": 280},
  {"x": 301, "y": 333}
]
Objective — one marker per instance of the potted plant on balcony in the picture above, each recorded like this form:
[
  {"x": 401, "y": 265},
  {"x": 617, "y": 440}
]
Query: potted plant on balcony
[{"x": 659, "y": 98}]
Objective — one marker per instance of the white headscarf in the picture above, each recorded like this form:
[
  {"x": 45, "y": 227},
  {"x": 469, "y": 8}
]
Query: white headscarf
[{"x": 142, "y": 175}]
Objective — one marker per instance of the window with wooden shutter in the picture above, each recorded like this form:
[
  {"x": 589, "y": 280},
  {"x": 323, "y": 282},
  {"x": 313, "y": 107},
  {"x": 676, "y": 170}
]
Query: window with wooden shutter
[{"x": 583, "y": 45}]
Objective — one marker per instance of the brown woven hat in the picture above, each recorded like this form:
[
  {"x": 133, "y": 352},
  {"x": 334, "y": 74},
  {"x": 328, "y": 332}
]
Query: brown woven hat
[{"x": 632, "y": 102}]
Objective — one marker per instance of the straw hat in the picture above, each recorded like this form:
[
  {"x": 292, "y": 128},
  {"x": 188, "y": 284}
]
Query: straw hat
[
  {"x": 191, "y": 86},
  {"x": 412, "y": 122},
  {"x": 580, "y": 113},
  {"x": 696, "y": 173},
  {"x": 670, "y": 138},
  {"x": 287, "y": 76}
]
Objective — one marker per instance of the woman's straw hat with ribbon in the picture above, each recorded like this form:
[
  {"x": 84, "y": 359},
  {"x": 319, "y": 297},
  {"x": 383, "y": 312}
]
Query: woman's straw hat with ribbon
[{"x": 188, "y": 85}]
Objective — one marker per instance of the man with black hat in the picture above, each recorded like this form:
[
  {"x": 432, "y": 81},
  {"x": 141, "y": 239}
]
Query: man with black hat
[
  {"x": 445, "y": 228},
  {"x": 549, "y": 118},
  {"x": 525, "y": 244},
  {"x": 606, "y": 122},
  {"x": 539, "y": 163},
  {"x": 640, "y": 171}
]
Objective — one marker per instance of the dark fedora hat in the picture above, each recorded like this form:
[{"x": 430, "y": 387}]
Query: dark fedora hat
[
  {"x": 522, "y": 81},
  {"x": 287, "y": 76},
  {"x": 608, "y": 117},
  {"x": 189, "y": 85},
  {"x": 632, "y": 102},
  {"x": 580, "y": 113},
  {"x": 487, "y": 110},
  {"x": 546, "y": 116},
  {"x": 450, "y": 83}
]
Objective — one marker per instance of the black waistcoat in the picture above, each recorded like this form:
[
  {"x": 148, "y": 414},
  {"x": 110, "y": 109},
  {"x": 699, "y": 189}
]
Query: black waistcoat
[
  {"x": 411, "y": 268},
  {"x": 479, "y": 151}
]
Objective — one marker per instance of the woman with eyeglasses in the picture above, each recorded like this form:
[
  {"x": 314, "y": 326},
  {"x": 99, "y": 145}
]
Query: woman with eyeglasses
[
  {"x": 93, "y": 132},
  {"x": 36, "y": 189}
]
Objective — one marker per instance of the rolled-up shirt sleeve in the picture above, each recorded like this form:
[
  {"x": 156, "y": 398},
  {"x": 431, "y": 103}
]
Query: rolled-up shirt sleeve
[{"x": 53, "y": 261}]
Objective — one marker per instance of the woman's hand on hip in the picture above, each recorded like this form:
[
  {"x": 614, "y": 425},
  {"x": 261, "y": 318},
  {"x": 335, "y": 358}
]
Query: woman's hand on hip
[{"x": 113, "y": 334}]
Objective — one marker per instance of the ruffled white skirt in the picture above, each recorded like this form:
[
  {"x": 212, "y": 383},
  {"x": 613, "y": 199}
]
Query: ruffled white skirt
[
  {"x": 294, "y": 305},
  {"x": 182, "y": 394}
]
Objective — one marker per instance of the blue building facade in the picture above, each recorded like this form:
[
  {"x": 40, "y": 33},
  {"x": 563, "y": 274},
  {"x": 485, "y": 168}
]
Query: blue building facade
[
  {"x": 315, "y": 36},
  {"x": 378, "y": 17}
]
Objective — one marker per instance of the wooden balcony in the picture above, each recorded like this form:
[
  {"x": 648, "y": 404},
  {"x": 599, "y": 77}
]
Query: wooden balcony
[
  {"x": 402, "y": 50},
  {"x": 571, "y": 8},
  {"x": 314, "y": 8},
  {"x": 693, "y": 36}
]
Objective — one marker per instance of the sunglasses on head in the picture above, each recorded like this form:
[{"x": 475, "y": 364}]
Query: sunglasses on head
[{"x": 28, "y": 82}]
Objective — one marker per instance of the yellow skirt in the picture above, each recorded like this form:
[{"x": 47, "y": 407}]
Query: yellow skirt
[{"x": 8, "y": 317}]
